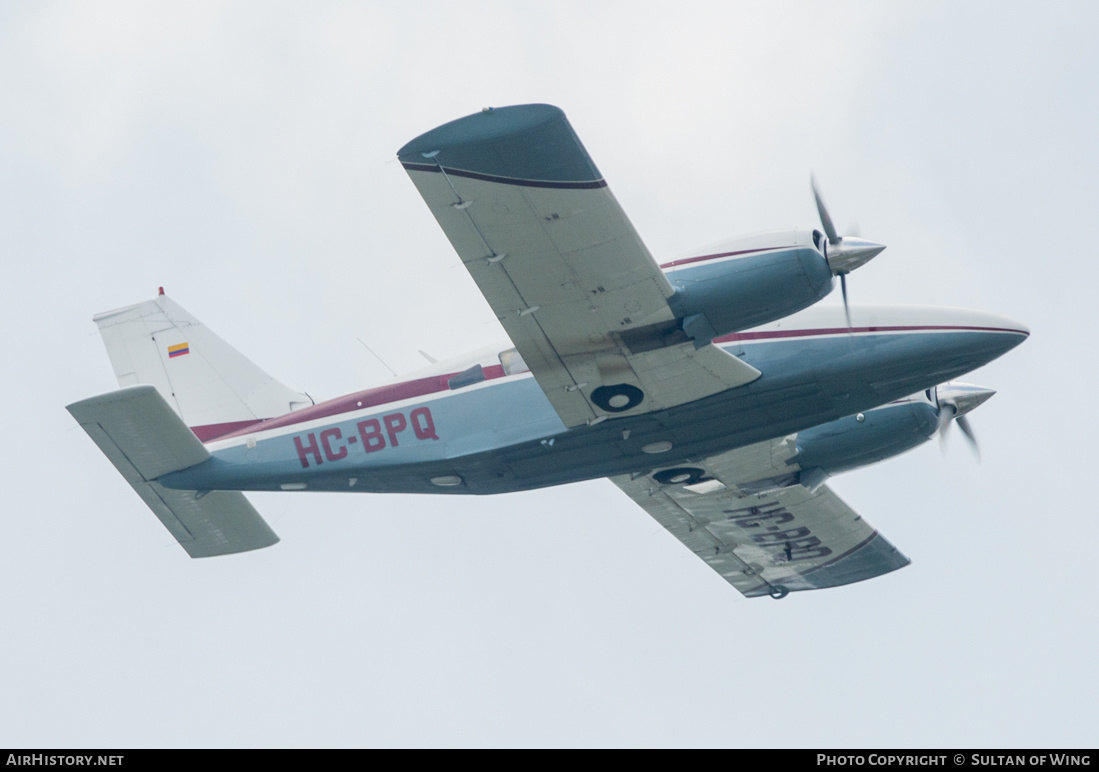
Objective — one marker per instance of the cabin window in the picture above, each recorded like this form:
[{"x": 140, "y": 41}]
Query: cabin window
[{"x": 512, "y": 362}]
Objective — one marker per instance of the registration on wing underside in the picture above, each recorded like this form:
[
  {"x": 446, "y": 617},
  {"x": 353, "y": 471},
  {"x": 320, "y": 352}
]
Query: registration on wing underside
[
  {"x": 768, "y": 543},
  {"x": 568, "y": 277}
]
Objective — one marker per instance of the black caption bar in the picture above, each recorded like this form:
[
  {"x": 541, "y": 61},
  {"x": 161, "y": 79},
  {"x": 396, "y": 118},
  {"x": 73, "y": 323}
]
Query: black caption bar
[{"x": 949, "y": 758}]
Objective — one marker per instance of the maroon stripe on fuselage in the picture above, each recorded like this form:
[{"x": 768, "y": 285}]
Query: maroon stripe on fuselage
[
  {"x": 380, "y": 395},
  {"x": 213, "y": 431},
  {"x": 701, "y": 258}
]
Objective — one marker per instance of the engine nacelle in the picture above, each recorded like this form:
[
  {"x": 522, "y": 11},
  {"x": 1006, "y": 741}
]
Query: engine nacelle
[
  {"x": 866, "y": 438},
  {"x": 814, "y": 455},
  {"x": 737, "y": 284}
]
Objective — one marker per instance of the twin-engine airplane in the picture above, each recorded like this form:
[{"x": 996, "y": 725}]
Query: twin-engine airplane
[{"x": 710, "y": 389}]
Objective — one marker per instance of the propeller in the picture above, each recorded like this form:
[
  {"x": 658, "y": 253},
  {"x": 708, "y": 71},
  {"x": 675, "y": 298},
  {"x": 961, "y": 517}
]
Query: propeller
[
  {"x": 954, "y": 400},
  {"x": 846, "y": 308},
  {"x": 843, "y": 253}
]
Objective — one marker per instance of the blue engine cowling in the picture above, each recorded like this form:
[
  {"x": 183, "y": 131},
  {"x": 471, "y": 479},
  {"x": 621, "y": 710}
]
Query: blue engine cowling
[
  {"x": 752, "y": 280},
  {"x": 866, "y": 438},
  {"x": 851, "y": 442}
]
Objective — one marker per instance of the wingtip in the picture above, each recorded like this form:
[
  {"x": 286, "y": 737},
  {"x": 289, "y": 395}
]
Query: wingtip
[{"x": 523, "y": 142}]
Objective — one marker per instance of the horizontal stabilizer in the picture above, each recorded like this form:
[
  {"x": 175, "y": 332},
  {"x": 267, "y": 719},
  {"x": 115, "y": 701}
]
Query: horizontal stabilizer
[{"x": 145, "y": 439}]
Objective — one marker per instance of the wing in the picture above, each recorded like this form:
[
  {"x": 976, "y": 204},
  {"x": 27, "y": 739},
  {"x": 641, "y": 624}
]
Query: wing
[
  {"x": 767, "y": 543},
  {"x": 561, "y": 266}
]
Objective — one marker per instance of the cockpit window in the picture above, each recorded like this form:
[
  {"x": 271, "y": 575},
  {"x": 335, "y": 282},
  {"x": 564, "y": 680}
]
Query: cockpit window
[
  {"x": 512, "y": 362},
  {"x": 817, "y": 236}
]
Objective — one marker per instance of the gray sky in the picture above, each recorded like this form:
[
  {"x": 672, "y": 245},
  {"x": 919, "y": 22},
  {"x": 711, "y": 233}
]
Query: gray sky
[{"x": 243, "y": 156}]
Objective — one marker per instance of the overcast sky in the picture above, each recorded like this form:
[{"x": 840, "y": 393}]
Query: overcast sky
[{"x": 243, "y": 156}]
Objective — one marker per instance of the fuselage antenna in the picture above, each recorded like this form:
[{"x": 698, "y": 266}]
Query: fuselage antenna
[{"x": 387, "y": 367}]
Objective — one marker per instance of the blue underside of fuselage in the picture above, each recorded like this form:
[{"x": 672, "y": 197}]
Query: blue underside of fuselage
[{"x": 805, "y": 382}]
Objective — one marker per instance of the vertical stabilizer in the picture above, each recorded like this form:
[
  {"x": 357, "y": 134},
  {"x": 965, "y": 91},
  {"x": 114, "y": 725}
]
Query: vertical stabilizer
[{"x": 213, "y": 387}]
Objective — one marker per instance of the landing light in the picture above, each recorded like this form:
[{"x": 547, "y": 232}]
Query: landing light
[
  {"x": 657, "y": 447},
  {"x": 446, "y": 480}
]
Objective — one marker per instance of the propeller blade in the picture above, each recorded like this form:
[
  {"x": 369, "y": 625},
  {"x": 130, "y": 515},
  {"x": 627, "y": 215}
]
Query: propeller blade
[
  {"x": 967, "y": 430},
  {"x": 822, "y": 210},
  {"x": 946, "y": 416},
  {"x": 843, "y": 288}
]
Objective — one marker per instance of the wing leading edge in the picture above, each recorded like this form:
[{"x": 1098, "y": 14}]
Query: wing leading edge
[
  {"x": 767, "y": 543},
  {"x": 561, "y": 265}
]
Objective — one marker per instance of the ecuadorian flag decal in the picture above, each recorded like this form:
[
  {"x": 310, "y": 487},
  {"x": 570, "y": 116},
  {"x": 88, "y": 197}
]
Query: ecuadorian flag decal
[{"x": 179, "y": 350}]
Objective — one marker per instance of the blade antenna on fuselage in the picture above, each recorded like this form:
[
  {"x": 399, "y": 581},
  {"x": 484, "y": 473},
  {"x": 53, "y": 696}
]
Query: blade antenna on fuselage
[{"x": 387, "y": 367}]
